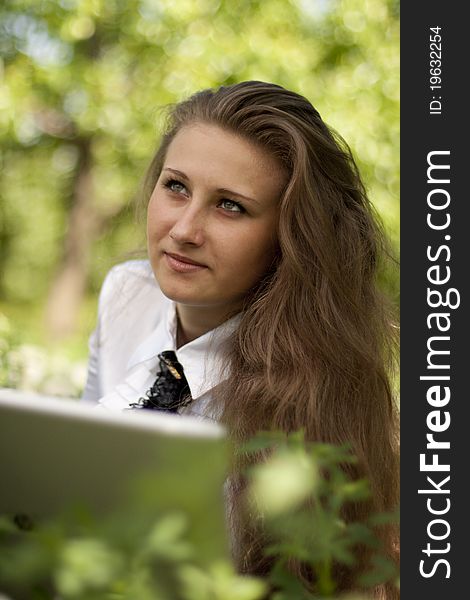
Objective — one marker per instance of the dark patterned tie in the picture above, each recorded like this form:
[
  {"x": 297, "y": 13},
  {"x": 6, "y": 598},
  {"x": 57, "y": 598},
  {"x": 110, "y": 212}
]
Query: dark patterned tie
[{"x": 170, "y": 390}]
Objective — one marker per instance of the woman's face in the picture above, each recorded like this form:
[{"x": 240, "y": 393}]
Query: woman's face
[{"x": 212, "y": 217}]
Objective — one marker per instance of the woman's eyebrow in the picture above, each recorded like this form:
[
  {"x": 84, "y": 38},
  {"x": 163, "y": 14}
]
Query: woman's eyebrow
[
  {"x": 236, "y": 194},
  {"x": 176, "y": 172},
  {"x": 219, "y": 190}
]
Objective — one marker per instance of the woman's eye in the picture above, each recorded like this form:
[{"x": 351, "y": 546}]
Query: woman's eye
[
  {"x": 231, "y": 206},
  {"x": 175, "y": 186}
]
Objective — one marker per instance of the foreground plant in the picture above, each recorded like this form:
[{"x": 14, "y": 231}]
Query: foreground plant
[{"x": 297, "y": 493}]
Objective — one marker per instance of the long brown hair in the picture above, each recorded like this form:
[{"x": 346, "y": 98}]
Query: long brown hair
[{"x": 315, "y": 344}]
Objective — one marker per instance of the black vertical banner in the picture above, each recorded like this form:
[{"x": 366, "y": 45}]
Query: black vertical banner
[{"x": 435, "y": 432}]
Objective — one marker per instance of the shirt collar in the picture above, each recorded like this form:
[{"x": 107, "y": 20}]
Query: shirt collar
[{"x": 202, "y": 358}]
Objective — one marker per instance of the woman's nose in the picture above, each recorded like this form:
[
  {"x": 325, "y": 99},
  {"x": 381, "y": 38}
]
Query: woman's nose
[{"x": 188, "y": 227}]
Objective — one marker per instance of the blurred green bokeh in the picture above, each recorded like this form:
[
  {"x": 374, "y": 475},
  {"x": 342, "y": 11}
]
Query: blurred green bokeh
[{"x": 82, "y": 83}]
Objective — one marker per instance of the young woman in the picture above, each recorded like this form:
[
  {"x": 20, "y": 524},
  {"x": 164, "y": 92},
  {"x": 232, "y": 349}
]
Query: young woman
[{"x": 260, "y": 292}]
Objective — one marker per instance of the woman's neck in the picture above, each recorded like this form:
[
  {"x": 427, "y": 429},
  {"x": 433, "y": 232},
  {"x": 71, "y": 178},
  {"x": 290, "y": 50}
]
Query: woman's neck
[{"x": 194, "y": 321}]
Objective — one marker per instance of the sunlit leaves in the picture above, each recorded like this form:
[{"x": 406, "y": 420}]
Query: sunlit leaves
[{"x": 99, "y": 70}]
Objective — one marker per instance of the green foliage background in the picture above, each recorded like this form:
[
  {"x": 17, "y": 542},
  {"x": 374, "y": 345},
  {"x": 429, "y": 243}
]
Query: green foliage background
[{"x": 81, "y": 87}]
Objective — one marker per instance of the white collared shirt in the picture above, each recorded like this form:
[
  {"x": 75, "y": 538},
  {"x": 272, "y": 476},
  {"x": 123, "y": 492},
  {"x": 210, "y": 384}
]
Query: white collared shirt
[{"x": 135, "y": 323}]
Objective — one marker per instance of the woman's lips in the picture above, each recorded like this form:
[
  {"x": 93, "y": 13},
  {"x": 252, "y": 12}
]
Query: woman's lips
[{"x": 182, "y": 264}]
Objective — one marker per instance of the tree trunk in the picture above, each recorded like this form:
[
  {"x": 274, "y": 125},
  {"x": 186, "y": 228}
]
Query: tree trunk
[{"x": 68, "y": 287}]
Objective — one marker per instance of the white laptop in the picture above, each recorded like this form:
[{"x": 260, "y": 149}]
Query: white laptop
[{"x": 58, "y": 454}]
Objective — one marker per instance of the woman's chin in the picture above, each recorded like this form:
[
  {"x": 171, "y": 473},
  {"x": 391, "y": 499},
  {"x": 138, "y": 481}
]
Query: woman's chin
[{"x": 182, "y": 296}]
